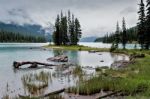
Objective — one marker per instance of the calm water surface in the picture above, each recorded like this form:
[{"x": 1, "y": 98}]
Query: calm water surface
[
  {"x": 11, "y": 80},
  {"x": 106, "y": 45}
]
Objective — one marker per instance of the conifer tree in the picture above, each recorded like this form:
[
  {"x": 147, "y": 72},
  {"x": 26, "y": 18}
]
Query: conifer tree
[
  {"x": 64, "y": 29},
  {"x": 56, "y": 34},
  {"x": 141, "y": 24},
  {"x": 117, "y": 39},
  {"x": 69, "y": 25},
  {"x": 61, "y": 34},
  {"x": 124, "y": 33},
  {"x": 147, "y": 33},
  {"x": 72, "y": 31},
  {"x": 77, "y": 31}
]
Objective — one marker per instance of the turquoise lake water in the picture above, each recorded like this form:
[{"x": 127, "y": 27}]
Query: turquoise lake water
[{"x": 11, "y": 79}]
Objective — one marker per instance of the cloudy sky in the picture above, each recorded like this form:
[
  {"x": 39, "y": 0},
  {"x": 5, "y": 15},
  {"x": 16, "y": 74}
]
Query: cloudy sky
[{"x": 97, "y": 17}]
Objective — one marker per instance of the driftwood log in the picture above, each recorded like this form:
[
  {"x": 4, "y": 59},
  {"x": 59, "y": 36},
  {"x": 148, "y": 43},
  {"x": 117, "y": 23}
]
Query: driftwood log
[{"x": 32, "y": 64}]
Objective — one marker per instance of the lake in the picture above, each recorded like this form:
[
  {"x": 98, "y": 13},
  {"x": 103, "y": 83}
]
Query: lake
[
  {"x": 12, "y": 81},
  {"x": 106, "y": 45}
]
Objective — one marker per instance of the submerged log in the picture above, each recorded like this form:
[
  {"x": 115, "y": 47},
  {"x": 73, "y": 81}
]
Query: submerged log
[
  {"x": 93, "y": 51},
  {"x": 60, "y": 58},
  {"x": 46, "y": 95},
  {"x": 33, "y": 64},
  {"x": 53, "y": 93}
]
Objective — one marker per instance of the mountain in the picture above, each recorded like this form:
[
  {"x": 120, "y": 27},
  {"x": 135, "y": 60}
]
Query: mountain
[
  {"x": 88, "y": 39},
  {"x": 26, "y": 29}
]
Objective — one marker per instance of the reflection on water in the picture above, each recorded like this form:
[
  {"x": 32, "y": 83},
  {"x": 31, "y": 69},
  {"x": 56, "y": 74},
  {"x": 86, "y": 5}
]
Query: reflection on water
[{"x": 25, "y": 82}]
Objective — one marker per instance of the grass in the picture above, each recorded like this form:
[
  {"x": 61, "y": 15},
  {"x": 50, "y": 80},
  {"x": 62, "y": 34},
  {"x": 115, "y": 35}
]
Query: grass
[
  {"x": 30, "y": 81},
  {"x": 76, "y": 47},
  {"x": 133, "y": 80}
]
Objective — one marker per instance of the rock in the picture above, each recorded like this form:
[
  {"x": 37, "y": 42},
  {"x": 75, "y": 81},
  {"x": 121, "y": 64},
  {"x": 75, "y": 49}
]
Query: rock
[
  {"x": 92, "y": 51},
  {"x": 102, "y": 61},
  {"x": 60, "y": 58},
  {"x": 119, "y": 64}
]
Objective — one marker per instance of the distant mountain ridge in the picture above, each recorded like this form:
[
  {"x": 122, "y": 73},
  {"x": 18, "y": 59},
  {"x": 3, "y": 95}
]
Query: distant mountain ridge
[{"x": 26, "y": 29}]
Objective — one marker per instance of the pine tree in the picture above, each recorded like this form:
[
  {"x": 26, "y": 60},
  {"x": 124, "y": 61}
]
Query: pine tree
[
  {"x": 77, "y": 31},
  {"x": 117, "y": 39},
  {"x": 61, "y": 34},
  {"x": 124, "y": 34},
  {"x": 141, "y": 24},
  {"x": 72, "y": 34},
  {"x": 69, "y": 25},
  {"x": 64, "y": 29},
  {"x": 56, "y": 34},
  {"x": 147, "y": 33}
]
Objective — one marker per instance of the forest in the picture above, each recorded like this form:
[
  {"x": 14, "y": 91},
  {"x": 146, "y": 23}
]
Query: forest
[
  {"x": 109, "y": 37},
  {"x": 17, "y": 37}
]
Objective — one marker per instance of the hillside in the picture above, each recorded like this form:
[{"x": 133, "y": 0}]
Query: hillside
[{"x": 26, "y": 29}]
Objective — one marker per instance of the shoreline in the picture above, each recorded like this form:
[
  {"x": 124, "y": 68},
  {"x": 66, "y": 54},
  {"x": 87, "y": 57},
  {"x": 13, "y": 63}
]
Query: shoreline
[{"x": 133, "y": 86}]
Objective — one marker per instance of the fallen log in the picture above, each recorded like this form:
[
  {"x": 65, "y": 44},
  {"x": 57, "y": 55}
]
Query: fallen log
[
  {"x": 108, "y": 95},
  {"x": 33, "y": 64}
]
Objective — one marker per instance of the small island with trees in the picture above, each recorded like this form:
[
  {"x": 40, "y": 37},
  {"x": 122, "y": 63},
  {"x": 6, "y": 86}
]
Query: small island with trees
[{"x": 67, "y": 30}]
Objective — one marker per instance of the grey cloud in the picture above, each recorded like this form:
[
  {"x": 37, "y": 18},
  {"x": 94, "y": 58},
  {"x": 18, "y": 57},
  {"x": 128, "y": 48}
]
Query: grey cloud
[
  {"x": 91, "y": 13},
  {"x": 129, "y": 10}
]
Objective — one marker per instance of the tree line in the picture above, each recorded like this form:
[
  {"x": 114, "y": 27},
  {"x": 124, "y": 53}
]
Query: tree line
[
  {"x": 120, "y": 35},
  {"x": 109, "y": 37},
  {"x": 17, "y": 37},
  {"x": 67, "y": 30}
]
